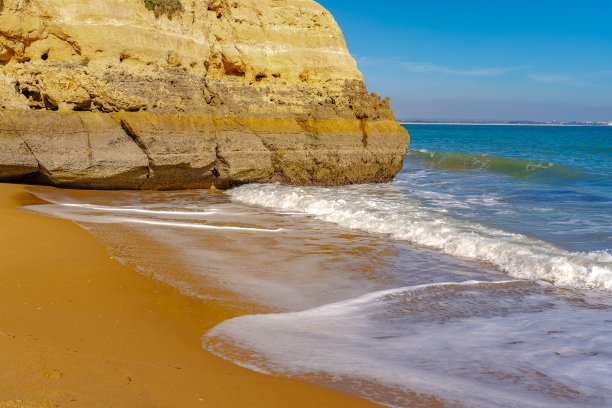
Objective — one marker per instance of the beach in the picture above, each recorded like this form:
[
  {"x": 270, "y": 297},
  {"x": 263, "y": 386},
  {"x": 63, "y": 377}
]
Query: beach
[
  {"x": 214, "y": 204},
  {"x": 480, "y": 276},
  {"x": 80, "y": 329}
]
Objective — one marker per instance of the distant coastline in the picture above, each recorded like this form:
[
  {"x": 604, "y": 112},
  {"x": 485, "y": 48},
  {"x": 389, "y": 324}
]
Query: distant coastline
[
  {"x": 488, "y": 124},
  {"x": 507, "y": 123}
]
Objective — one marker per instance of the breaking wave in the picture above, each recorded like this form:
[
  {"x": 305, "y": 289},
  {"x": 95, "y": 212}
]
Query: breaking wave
[{"x": 382, "y": 209}]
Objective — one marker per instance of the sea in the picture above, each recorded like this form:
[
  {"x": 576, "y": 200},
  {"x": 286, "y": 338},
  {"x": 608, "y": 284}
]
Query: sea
[{"x": 480, "y": 277}]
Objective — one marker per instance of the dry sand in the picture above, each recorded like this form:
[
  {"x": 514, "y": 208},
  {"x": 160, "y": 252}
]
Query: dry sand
[{"x": 79, "y": 329}]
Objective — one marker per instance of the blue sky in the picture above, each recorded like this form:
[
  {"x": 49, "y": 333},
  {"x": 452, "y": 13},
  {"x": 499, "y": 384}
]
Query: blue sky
[{"x": 493, "y": 60}]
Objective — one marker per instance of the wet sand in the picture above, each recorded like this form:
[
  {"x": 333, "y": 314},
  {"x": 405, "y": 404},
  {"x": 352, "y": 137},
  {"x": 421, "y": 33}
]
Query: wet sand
[{"x": 79, "y": 329}]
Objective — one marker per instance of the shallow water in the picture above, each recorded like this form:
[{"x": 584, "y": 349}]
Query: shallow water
[{"x": 481, "y": 277}]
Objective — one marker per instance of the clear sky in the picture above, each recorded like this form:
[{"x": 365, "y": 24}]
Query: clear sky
[{"x": 489, "y": 60}]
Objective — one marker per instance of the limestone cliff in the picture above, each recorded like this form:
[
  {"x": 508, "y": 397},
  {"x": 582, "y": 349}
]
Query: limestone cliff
[{"x": 104, "y": 94}]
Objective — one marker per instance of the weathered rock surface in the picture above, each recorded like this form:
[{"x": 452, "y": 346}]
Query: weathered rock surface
[
  {"x": 16, "y": 158},
  {"x": 102, "y": 94},
  {"x": 83, "y": 149},
  {"x": 139, "y": 150}
]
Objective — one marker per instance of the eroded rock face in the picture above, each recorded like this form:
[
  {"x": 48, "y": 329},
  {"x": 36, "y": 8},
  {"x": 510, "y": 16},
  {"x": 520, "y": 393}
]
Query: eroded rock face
[
  {"x": 263, "y": 58},
  {"x": 228, "y": 91},
  {"x": 139, "y": 150},
  {"x": 83, "y": 149}
]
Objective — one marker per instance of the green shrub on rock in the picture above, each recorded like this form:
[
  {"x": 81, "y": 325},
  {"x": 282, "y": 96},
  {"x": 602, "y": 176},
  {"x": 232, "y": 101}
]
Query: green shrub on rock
[{"x": 160, "y": 7}]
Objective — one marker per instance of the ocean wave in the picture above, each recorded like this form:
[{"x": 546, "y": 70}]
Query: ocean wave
[
  {"x": 519, "y": 168},
  {"x": 382, "y": 209}
]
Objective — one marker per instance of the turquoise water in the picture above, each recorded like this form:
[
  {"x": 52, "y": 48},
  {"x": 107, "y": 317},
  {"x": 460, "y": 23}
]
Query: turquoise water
[
  {"x": 552, "y": 183},
  {"x": 480, "y": 277}
]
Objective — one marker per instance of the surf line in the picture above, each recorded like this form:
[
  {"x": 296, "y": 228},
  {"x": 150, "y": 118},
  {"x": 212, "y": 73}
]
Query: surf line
[
  {"x": 191, "y": 225},
  {"x": 138, "y": 210}
]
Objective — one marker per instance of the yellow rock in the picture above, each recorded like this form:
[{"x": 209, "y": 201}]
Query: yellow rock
[
  {"x": 281, "y": 57},
  {"x": 225, "y": 92}
]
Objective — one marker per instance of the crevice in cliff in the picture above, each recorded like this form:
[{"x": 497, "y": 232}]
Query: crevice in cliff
[
  {"x": 32, "y": 94},
  {"x": 306, "y": 125},
  {"x": 89, "y": 148},
  {"x": 364, "y": 131},
  {"x": 132, "y": 135},
  {"x": 221, "y": 169},
  {"x": 211, "y": 97}
]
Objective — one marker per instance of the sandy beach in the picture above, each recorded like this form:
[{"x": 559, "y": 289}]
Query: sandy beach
[
  {"x": 79, "y": 329},
  {"x": 219, "y": 204}
]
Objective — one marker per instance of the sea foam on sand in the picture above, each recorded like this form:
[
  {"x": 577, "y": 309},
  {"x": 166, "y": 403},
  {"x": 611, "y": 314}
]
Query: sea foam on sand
[{"x": 484, "y": 344}]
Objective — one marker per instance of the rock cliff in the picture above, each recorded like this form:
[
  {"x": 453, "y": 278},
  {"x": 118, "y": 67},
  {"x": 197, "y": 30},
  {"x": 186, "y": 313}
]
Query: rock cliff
[{"x": 105, "y": 94}]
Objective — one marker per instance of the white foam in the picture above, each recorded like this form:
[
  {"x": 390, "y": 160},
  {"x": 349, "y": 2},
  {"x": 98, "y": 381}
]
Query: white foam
[
  {"x": 138, "y": 210},
  {"x": 383, "y": 209},
  {"x": 600, "y": 256},
  {"x": 484, "y": 344},
  {"x": 192, "y": 225},
  {"x": 59, "y": 211}
]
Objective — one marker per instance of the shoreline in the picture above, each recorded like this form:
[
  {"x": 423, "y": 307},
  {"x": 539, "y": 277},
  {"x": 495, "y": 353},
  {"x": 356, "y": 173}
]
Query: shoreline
[{"x": 80, "y": 329}]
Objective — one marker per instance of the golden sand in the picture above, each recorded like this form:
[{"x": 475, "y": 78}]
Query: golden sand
[{"x": 79, "y": 329}]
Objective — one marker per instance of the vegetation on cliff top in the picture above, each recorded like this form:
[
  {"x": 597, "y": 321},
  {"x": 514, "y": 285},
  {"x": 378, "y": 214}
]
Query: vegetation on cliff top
[{"x": 160, "y": 7}]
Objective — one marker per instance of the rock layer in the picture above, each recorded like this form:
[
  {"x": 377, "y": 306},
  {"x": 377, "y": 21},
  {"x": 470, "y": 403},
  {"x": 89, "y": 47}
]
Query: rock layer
[
  {"x": 143, "y": 150},
  {"x": 102, "y": 94}
]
